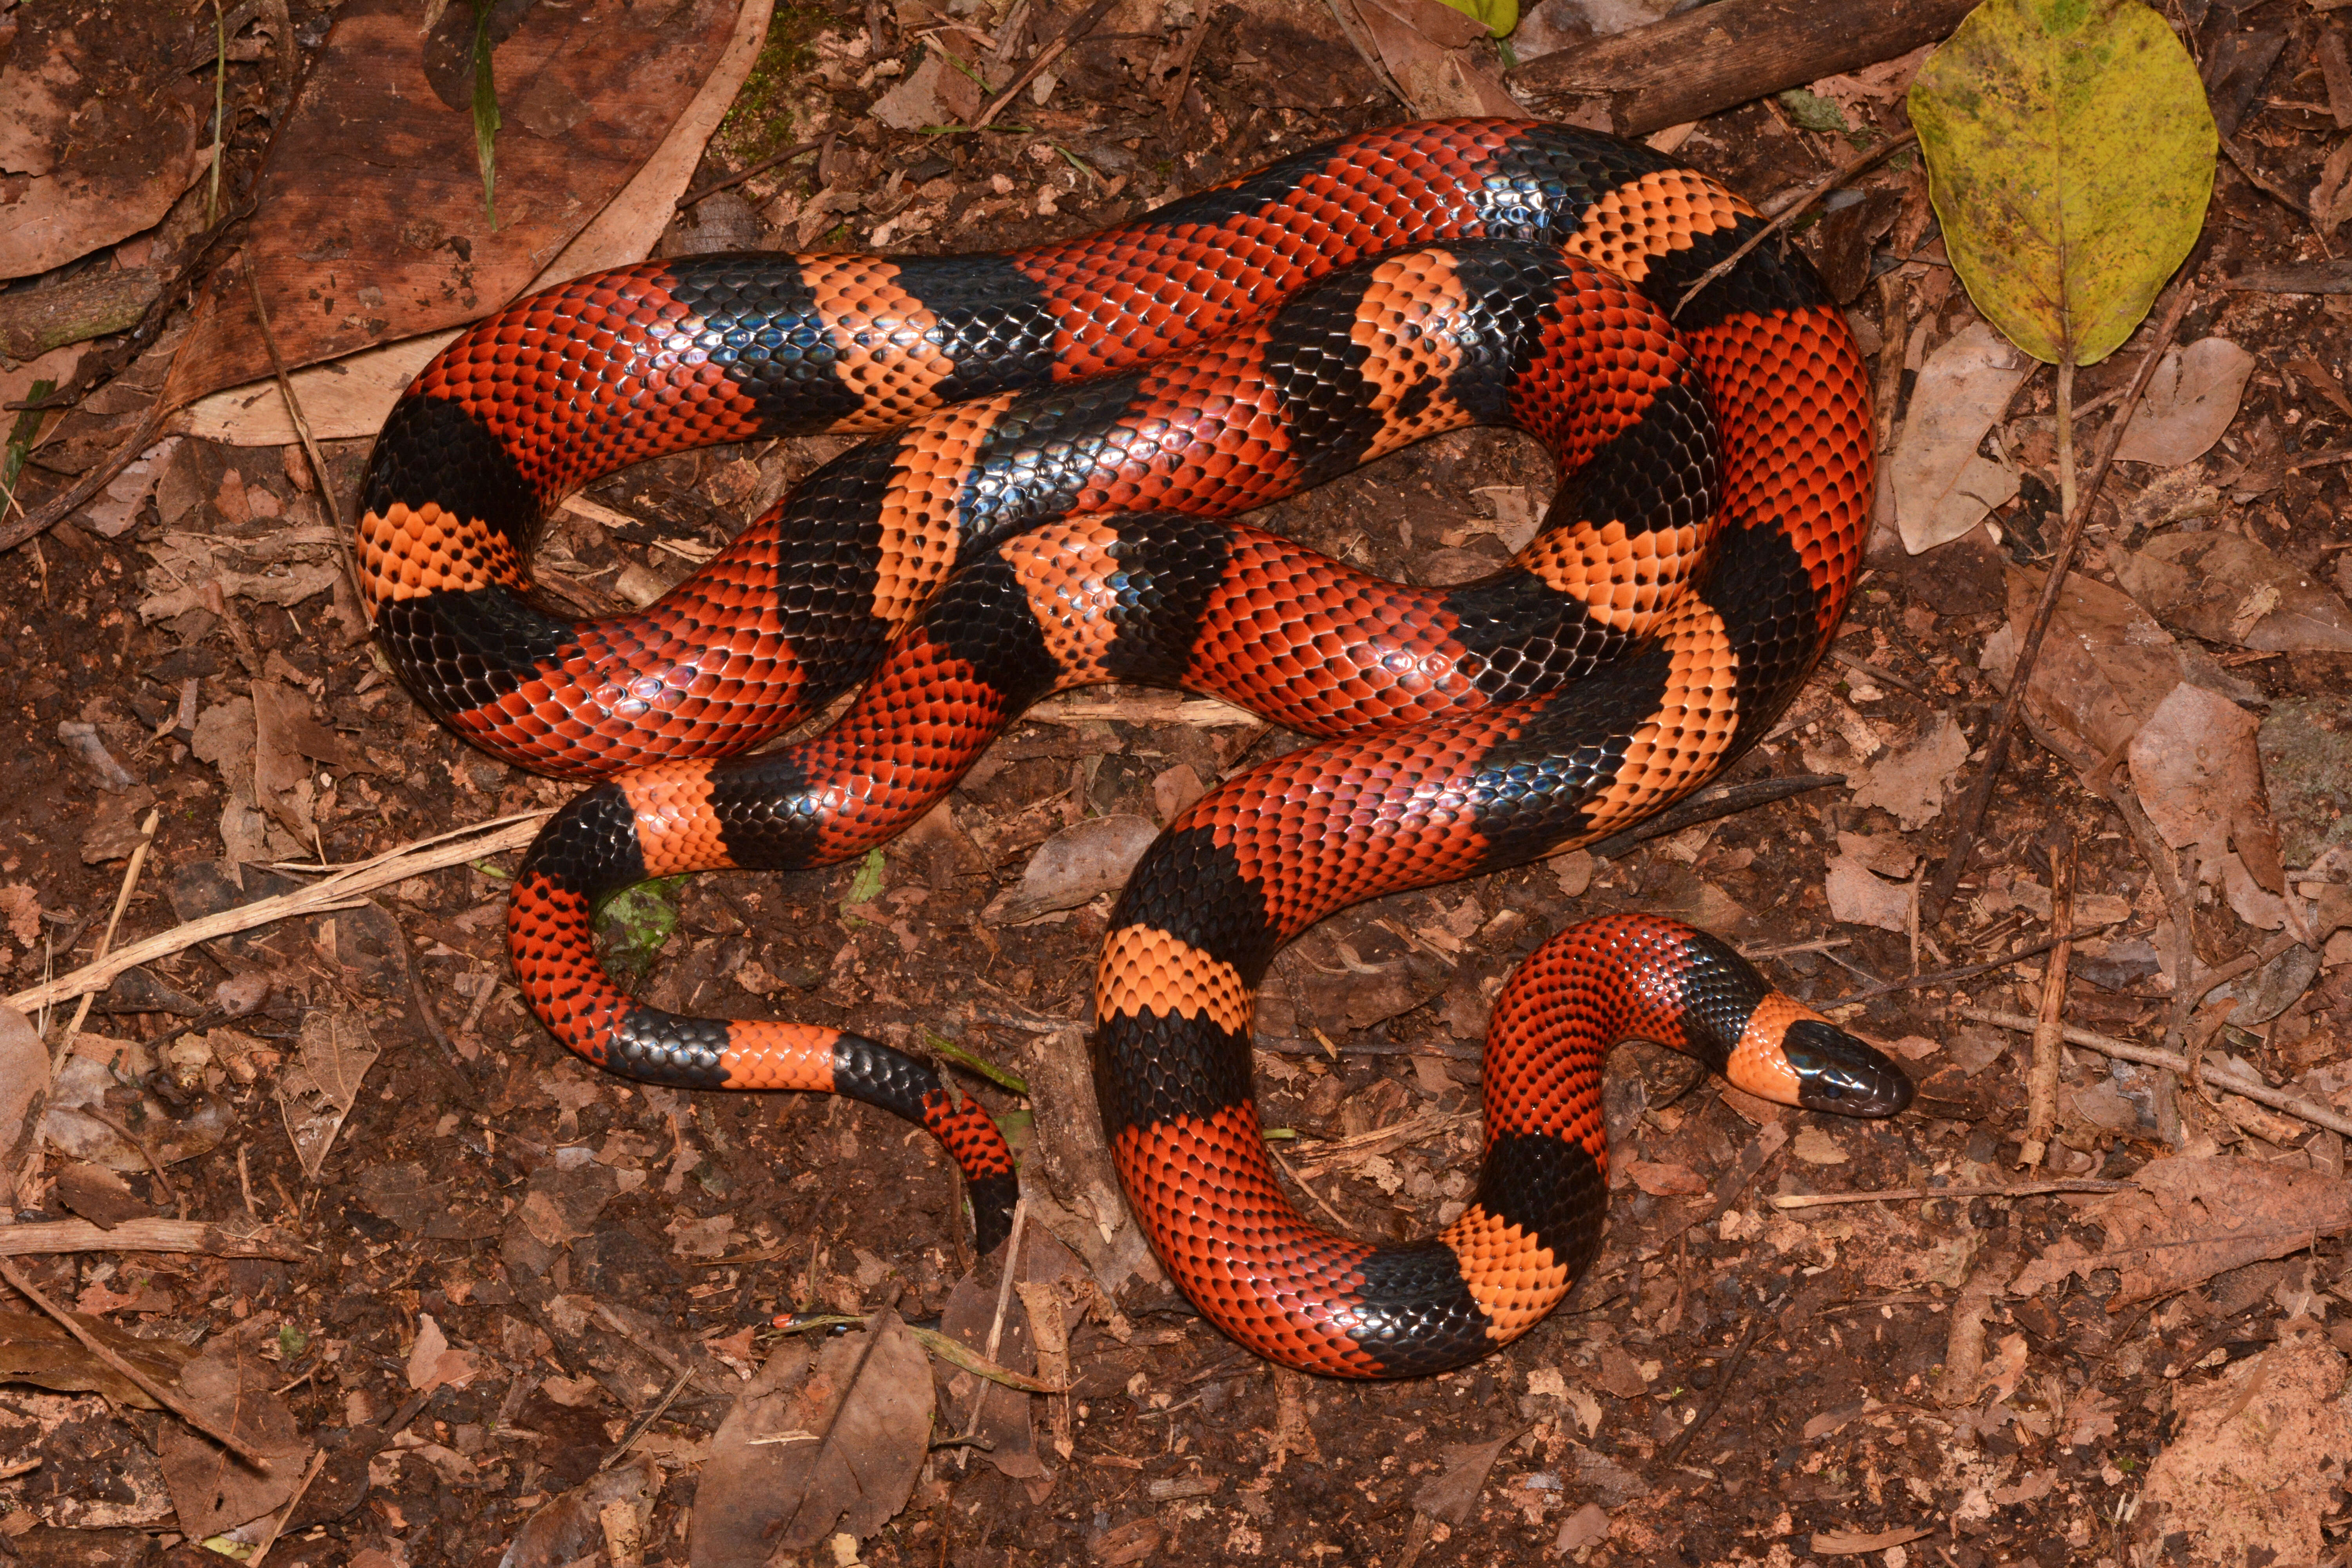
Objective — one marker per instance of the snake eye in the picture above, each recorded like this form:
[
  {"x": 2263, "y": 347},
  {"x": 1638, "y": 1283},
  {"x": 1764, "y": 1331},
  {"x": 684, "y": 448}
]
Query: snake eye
[{"x": 1837, "y": 1072}]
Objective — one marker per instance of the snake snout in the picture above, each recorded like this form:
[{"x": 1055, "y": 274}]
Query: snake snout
[{"x": 1837, "y": 1072}]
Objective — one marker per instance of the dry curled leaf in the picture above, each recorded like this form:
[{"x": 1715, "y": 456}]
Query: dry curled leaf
[{"x": 2193, "y": 1217}]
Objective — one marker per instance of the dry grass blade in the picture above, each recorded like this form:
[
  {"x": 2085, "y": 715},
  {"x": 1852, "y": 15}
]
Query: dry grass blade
[{"x": 342, "y": 888}]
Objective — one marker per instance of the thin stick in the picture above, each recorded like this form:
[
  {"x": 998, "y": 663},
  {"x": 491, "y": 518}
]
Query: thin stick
[
  {"x": 2041, "y": 1081},
  {"x": 1946, "y": 880},
  {"x": 762, "y": 167},
  {"x": 121, "y": 902},
  {"x": 302, "y": 427},
  {"x": 154, "y": 1390},
  {"x": 1796, "y": 206},
  {"x": 1292, "y": 1172},
  {"x": 1984, "y": 1190},
  {"x": 341, "y": 890},
  {"x": 1072, "y": 34},
  {"x": 2222, "y": 1075},
  {"x": 996, "y": 1324},
  {"x": 1724, "y": 1376},
  {"x": 278, "y": 1521}
]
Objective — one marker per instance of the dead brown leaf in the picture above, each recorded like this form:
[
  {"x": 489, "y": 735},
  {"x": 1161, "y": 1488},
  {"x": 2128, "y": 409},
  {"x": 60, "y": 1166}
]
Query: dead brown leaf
[
  {"x": 816, "y": 1445},
  {"x": 1452, "y": 1492},
  {"x": 1661, "y": 1180},
  {"x": 2194, "y": 1217},
  {"x": 2226, "y": 588},
  {"x": 570, "y": 1528},
  {"x": 317, "y": 1090},
  {"x": 1910, "y": 783},
  {"x": 213, "y": 1490},
  {"x": 2104, "y": 665},
  {"x": 1942, "y": 487},
  {"x": 1080, "y": 863},
  {"x": 377, "y": 163},
  {"x": 2189, "y": 402},
  {"x": 2198, "y": 774},
  {"x": 101, "y": 130},
  {"x": 35, "y": 1349}
]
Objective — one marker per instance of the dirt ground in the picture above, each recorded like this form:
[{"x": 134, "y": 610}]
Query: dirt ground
[{"x": 1735, "y": 1382}]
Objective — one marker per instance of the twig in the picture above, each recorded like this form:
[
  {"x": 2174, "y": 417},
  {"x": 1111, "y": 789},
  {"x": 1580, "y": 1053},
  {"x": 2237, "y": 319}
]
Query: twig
[
  {"x": 1292, "y": 1172},
  {"x": 638, "y": 1427},
  {"x": 1876, "y": 672},
  {"x": 147, "y": 1151},
  {"x": 61, "y": 506},
  {"x": 106, "y": 940},
  {"x": 2222, "y": 1075},
  {"x": 154, "y": 1390},
  {"x": 1965, "y": 971},
  {"x": 2041, "y": 1080},
  {"x": 278, "y": 1521},
  {"x": 1939, "y": 887},
  {"x": 340, "y": 890},
  {"x": 996, "y": 1324},
  {"x": 302, "y": 426},
  {"x": 1983, "y": 1190},
  {"x": 1723, "y": 800},
  {"x": 1072, "y": 34},
  {"x": 1793, "y": 207},
  {"x": 47, "y": 1238},
  {"x": 1184, "y": 75},
  {"x": 762, "y": 167},
  {"x": 1725, "y": 1376}
]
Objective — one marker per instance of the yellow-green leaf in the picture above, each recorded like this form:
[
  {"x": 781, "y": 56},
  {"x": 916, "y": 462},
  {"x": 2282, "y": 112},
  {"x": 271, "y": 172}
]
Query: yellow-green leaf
[
  {"x": 1500, "y": 15},
  {"x": 2070, "y": 156}
]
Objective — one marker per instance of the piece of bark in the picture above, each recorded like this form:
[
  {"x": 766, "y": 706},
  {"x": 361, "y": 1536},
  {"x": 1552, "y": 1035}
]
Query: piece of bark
[
  {"x": 35, "y": 321},
  {"x": 1716, "y": 56}
]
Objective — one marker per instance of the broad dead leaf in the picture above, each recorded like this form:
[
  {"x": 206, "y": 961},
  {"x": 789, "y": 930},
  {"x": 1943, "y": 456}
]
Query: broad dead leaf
[
  {"x": 317, "y": 1090},
  {"x": 1080, "y": 863},
  {"x": 2194, "y": 1217},
  {"x": 2197, "y": 772},
  {"x": 213, "y": 1490},
  {"x": 85, "y": 1085},
  {"x": 1425, "y": 47},
  {"x": 1662, "y": 1180},
  {"x": 23, "y": 1093},
  {"x": 2104, "y": 665},
  {"x": 816, "y": 1444},
  {"x": 2226, "y": 588},
  {"x": 2189, "y": 402},
  {"x": 376, "y": 167},
  {"x": 102, "y": 127},
  {"x": 570, "y": 1528},
  {"x": 1942, "y": 488},
  {"x": 1910, "y": 783},
  {"x": 350, "y": 398},
  {"x": 1452, "y": 1492}
]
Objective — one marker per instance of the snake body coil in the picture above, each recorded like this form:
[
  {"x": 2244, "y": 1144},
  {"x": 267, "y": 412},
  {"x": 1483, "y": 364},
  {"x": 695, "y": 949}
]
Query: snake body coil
[{"x": 1074, "y": 427}]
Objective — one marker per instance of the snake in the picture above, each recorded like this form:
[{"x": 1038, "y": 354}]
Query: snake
[{"x": 1060, "y": 443}]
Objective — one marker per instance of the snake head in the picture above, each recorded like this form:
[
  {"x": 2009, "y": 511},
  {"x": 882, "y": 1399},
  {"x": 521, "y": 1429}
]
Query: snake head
[{"x": 1837, "y": 1072}]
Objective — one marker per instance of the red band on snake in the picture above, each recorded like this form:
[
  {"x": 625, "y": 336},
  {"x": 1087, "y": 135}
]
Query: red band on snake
[{"x": 1074, "y": 427}]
